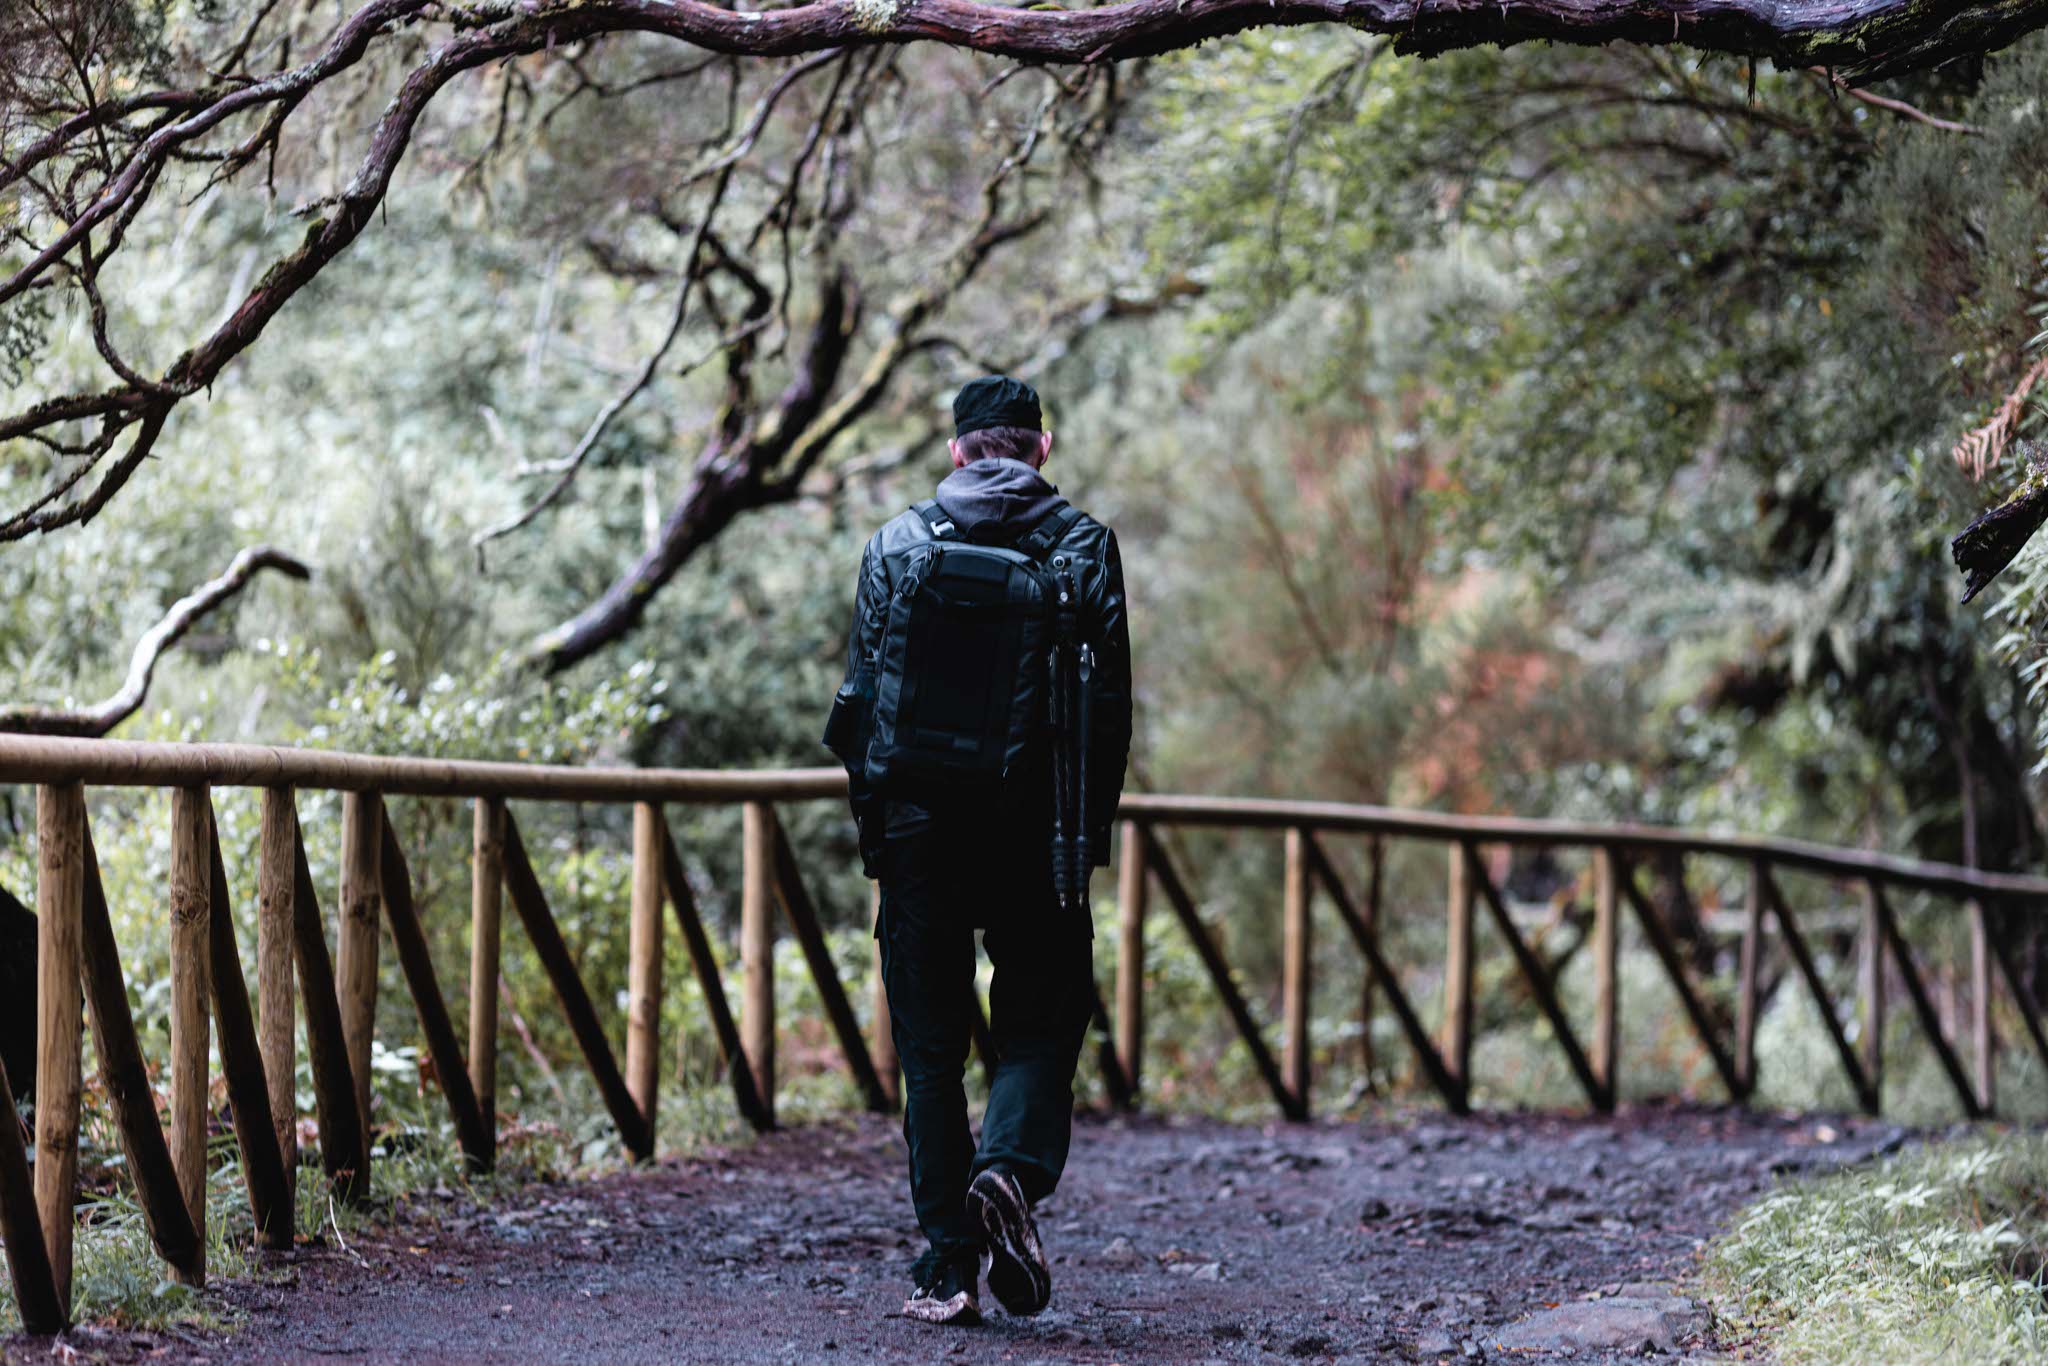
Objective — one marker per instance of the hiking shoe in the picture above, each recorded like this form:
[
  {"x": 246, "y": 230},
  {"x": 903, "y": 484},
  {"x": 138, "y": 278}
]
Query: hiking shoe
[
  {"x": 1017, "y": 1273},
  {"x": 947, "y": 1291}
]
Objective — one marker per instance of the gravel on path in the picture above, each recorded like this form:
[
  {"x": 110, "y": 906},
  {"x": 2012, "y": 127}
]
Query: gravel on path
[{"x": 1172, "y": 1241}]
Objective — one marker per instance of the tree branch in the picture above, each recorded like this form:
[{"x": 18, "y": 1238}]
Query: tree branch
[
  {"x": 1892, "y": 106},
  {"x": 1865, "y": 39},
  {"x": 98, "y": 720},
  {"x": 727, "y": 481},
  {"x": 568, "y": 467}
]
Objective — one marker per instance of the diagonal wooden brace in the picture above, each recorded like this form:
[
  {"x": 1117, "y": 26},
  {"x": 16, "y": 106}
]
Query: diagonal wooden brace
[
  {"x": 126, "y": 1079},
  {"x": 1923, "y": 1005},
  {"x": 1674, "y": 969},
  {"x": 1802, "y": 958},
  {"x": 241, "y": 1061},
  {"x": 1219, "y": 973},
  {"x": 1454, "y": 1096},
  {"x": 711, "y": 984},
  {"x": 532, "y": 904},
  {"x": 451, "y": 1069},
  {"x": 1539, "y": 981},
  {"x": 803, "y": 918}
]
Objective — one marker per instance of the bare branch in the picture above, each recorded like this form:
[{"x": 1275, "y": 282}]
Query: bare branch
[
  {"x": 754, "y": 462},
  {"x": 726, "y": 482},
  {"x": 1892, "y": 106},
  {"x": 567, "y": 468},
  {"x": 97, "y": 720}
]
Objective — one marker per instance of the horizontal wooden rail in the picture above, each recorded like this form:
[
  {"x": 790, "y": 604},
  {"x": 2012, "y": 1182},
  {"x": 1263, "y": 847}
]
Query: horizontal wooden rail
[
  {"x": 1261, "y": 813},
  {"x": 140, "y": 763},
  {"x": 146, "y": 763}
]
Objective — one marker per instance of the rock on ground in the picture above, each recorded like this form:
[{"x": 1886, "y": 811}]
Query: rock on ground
[
  {"x": 1172, "y": 1242},
  {"x": 1647, "y": 1321}
]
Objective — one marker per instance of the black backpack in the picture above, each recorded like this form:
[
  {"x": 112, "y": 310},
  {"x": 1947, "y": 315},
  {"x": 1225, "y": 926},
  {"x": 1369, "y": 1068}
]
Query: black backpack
[{"x": 961, "y": 683}]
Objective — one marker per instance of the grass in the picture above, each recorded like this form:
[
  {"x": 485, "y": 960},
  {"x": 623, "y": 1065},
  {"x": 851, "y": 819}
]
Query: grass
[{"x": 1937, "y": 1255}]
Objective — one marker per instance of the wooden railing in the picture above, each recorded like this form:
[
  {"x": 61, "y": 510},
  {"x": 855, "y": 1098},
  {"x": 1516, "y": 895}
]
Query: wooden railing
[{"x": 79, "y": 965}]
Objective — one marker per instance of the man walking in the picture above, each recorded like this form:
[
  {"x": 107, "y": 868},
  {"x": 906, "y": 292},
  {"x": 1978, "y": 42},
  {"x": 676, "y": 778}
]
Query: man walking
[{"x": 984, "y": 723}]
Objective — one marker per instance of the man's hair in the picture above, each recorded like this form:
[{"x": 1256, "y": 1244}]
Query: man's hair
[{"x": 1015, "y": 443}]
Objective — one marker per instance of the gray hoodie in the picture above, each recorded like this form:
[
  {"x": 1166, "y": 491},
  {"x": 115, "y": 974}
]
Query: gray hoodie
[{"x": 996, "y": 498}]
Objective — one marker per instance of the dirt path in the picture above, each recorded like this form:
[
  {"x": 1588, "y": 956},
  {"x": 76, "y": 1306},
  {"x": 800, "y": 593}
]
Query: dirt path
[{"x": 1172, "y": 1242}]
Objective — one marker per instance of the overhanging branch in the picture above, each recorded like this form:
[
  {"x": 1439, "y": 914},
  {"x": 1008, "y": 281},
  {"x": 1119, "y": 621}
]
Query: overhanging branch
[
  {"x": 117, "y": 149},
  {"x": 185, "y": 612},
  {"x": 1864, "y": 39}
]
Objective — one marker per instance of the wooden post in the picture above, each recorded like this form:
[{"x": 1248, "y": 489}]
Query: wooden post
[
  {"x": 191, "y": 956},
  {"x": 1870, "y": 996},
  {"x": 1746, "y": 991},
  {"x": 276, "y": 997},
  {"x": 355, "y": 956},
  {"x": 1456, "y": 1046},
  {"x": 486, "y": 909},
  {"x": 1985, "y": 1046},
  {"x": 1130, "y": 958},
  {"x": 1368, "y": 1059},
  {"x": 881, "y": 1034},
  {"x": 1606, "y": 978},
  {"x": 1295, "y": 981},
  {"x": 757, "y": 948},
  {"x": 643, "y": 964},
  {"x": 60, "y": 922}
]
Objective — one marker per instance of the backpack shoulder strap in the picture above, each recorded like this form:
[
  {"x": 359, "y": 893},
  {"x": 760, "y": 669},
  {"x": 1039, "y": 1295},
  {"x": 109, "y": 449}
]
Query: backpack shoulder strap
[
  {"x": 1049, "y": 531},
  {"x": 935, "y": 519}
]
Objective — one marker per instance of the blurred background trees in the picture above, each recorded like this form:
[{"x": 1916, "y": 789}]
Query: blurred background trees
[{"x": 1557, "y": 430}]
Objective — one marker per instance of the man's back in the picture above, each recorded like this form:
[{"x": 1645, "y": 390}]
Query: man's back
[
  {"x": 963, "y": 832},
  {"x": 997, "y": 501}
]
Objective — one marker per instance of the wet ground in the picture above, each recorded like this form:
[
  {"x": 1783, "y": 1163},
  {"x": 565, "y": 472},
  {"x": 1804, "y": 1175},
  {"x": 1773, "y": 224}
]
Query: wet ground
[{"x": 1172, "y": 1242}]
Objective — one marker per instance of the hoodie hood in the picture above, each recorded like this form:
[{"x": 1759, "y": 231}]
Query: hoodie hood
[{"x": 997, "y": 498}]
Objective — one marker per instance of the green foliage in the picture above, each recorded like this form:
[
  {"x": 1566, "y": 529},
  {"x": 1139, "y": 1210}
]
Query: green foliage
[
  {"x": 1695, "y": 342},
  {"x": 1937, "y": 1255}
]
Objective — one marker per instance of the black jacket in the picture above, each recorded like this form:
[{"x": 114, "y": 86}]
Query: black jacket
[{"x": 997, "y": 500}]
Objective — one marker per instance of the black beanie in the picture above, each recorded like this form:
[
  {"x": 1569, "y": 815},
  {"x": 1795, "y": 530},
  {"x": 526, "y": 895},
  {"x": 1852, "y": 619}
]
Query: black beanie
[{"x": 996, "y": 401}]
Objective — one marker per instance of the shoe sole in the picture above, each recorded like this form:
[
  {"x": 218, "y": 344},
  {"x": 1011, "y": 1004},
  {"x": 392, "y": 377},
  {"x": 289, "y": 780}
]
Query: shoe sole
[
  {"x": 1017, "y": 1273},
  {"x": 960, "y": 1311}
]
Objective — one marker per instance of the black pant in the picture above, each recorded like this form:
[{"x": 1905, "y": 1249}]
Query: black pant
[{"x": 942, "y": 876}]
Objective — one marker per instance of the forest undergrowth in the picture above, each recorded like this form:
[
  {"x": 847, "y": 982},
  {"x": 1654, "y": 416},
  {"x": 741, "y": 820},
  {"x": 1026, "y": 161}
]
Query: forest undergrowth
[{"x": 1937, "y": 1254}]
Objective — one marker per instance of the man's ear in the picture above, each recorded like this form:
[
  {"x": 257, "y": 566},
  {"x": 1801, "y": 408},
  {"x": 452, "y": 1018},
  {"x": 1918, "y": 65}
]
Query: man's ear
[
  {"x": 959, "y": 460},
  {"x": 1044, "y": 448}
]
